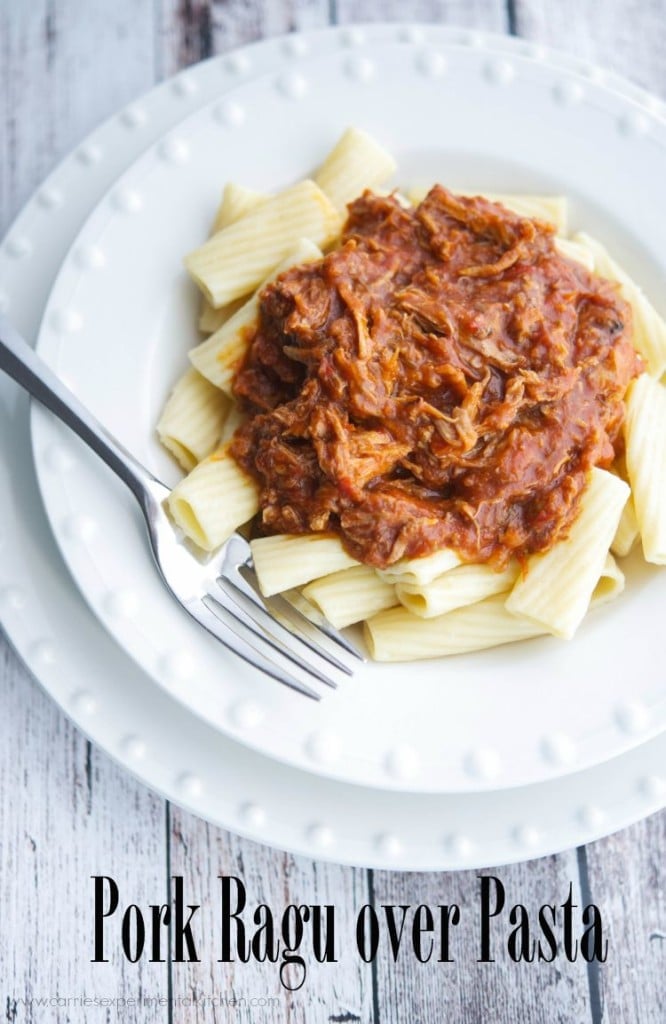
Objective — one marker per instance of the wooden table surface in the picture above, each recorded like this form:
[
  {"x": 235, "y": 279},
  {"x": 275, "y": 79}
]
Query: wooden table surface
[{"x": 67, "y": 811}]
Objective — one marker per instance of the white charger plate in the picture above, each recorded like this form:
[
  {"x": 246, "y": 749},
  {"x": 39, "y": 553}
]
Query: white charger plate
[
  {"x": 133, "y": 720},
  {"x": 172, "y": 750},
  {"x": 475, "y": 113}
]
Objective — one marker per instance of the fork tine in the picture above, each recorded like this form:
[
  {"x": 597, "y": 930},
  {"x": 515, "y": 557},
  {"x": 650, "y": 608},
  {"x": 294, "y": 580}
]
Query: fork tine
[
  {"x": 237, "y": 568},
  {"x": 239, "y": 582},
  {"x": 318, "y": 621},
  {"x": 238, "y": 612},
  {"x": 264, "y": 618},
  {"x": 240, "y": 646}
]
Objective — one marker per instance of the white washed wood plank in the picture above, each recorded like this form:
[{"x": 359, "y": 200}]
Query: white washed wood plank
[
  {"x": 199, "y": 29},
  {"x": 487, "y": 15},
  {"x": 66, "y": 813},
  {"x": 627, "y": 877},
  {"x": 468, "y": 992},
  {"x": 339, "y": 991},
  {"x": 64, "y": 67},
  {"x": 627, "y": 37}
]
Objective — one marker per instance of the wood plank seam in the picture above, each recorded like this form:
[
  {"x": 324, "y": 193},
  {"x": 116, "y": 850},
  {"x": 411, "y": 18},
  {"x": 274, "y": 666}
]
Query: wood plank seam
[
  {"x": 596, "y": 1008},
  {"x": 375, "y": 980},
  {"x": 512, "y": 19},
  {"x": 167, "y": 844}
]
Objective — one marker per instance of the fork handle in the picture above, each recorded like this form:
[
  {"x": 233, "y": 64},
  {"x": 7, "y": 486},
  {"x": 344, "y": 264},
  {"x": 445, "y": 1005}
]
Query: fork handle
[{"x": 23, "y": 364}]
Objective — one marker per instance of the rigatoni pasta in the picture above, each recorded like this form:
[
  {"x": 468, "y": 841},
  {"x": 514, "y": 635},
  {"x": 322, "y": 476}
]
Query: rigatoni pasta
[
  {"x": 397, "y": 635},
  {"x": 609, "y": 585},
  {"x": 463, "y": 585},
  {"x": 355, "y": 163},
  {"x": 218, "y": 357},
  {"x": 236, "y": 201},
  {"x": 236, "y": 259},
  {"x": 556, "y": 587},
  {"x": 575, "y": 251},
  {"x": 626, "y": 534},
  {"x": 214, "y": 500},
  {"x": 553, "y": 209},
  {"x": 192, "y": 419},
  {"x": 282, "y": 561},
  {"x": 420, "y": 571},
  {"x": 645, "y": 433},
  {"x": 351, "y": 595},
  {"x": 649, "y": 327},
  {"x": 211, "y": 319},
  {"x": 440, "y": 603},
  {"x": 233, "y": 421}
]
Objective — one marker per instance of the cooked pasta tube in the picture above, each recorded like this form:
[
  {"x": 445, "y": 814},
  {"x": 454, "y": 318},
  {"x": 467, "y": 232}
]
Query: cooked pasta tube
[
  {"x": 421, "y": 570},
  {"x": 355, "y": 163},
  {"x": 575, "y": 251},
  {"x": 397, "y": 635},
  {"x": 549, "y": 208},
  {"x": 192, "y": 420},
  {"x": 556, "y": 588},
  {"x": 233, "y": 421},
  {"x": 213, "y": 500},
  {"x": 211, "y": 319},
  {"x": 645, "y": 436},
  {"x": 626, "y": 534},
  {"x": 236, "y": 259},
  {"x": 461, "y": 586},
  {"x": 649, "y": 327},
  {"x": 305, "y": 607},
  {"x": 236, "y": 201},
  {"x": 350, "y": 595},
  {"x": 217, "y": 358},
  {"x": 649, "y": 334},
  {"x": 286, "y": 561},
  {"x": 609, "y": 585}
]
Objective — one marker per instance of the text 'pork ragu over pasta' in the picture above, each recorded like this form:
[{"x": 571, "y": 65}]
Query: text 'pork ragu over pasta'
[{"x": 434, "y": 412}]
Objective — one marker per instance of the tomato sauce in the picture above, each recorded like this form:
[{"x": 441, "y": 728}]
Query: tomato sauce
[{"x": 444, "y": 378}]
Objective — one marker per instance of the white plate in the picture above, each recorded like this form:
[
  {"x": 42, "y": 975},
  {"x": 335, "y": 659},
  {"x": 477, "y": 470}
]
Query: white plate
[
  {"x": 119, "y": 322},
  {"x": 122, "y": 710}
]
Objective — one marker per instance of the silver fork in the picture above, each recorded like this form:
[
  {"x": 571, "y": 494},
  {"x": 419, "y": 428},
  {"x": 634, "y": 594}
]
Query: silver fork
[{"x": 217, "y": 591}]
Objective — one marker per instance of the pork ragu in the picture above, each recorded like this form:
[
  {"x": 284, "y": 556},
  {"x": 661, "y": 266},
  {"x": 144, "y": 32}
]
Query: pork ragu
[{"x": 444, "y": 378}]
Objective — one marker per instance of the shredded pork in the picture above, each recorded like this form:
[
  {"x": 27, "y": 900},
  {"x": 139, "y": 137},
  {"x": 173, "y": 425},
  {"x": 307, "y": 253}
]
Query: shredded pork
[{"x": 444, "y": 378}]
